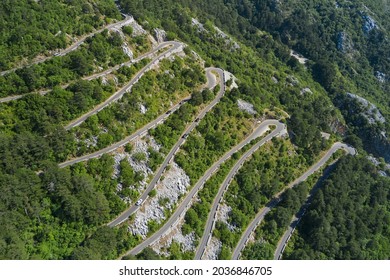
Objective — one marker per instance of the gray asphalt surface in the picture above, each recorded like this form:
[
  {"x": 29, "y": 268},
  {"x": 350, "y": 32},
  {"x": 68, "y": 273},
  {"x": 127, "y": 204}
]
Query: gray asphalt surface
[
  {"x": 97, "y": 75},
  {"x": 185, "y": 204},
  {"x": 260, "y": 215},
  {"x": 210, "y": 224},
  {"x": 176, "y": 47},
  {"x": 210, "y": 84},
  {"x": 296, "y": 219},
  {"x": 73, "y": 46},
  {"x": 140, "y": 132}
]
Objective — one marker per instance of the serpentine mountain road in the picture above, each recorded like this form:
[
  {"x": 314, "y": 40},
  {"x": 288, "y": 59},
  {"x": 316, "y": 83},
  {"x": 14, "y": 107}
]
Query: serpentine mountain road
[
  {"x": 296, "y": 219},
  {"x": 210, "y": 224},
  {"x": 140, "y": 132},
  {"x": 186, "y": 203},
  {"x": 96, "y": 75},
  {"x": 210, "y": 84},
  {"x": 75, "y": 45},
  {"x": 260, "y": 215},
  {"x": 176, "y": 47}
]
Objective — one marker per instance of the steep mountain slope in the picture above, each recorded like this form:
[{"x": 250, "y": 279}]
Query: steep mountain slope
[
  {"x": 33, "y": 27},
  {"x": 136, "y": 93},
  {"x": 347, "y": 44}
]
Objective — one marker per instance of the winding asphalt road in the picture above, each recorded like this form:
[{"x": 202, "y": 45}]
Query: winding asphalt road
[
  {"x": 97, "y": 75},
  {"x": 210, "y": 224},
  {"x": 140, "y": 132},
  {"x": 211, "y": 82},
  {"x": 298, "y": 216},
  {"x": 186, "y": 203},
  {"x": 260, "y": 215},
  {"x": 127, "y": 20},
  {"x": 176, "y": 47}
]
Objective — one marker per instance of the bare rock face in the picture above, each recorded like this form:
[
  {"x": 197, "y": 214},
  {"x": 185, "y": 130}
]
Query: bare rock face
[
  {"x": 233, "y": 45},
  {"x": 371, "y": 112},
  {"x": 174, "y": 183},
  {"x": 301, "y": 59},
  {"x": 246, "y": 107},
  {"x": 213, "y": 249},
  {"x": 381, "y": 77},
  {"x": 198, "y": 25},
  {"x": 160, "y": 35},
  {"x": 369, "y": 122},
  {"x": 127, "y": 50},
  {"x": 369, "y": 24},
  {"x": 306, "y": 90},
  {"x": 344, "y": 43}
]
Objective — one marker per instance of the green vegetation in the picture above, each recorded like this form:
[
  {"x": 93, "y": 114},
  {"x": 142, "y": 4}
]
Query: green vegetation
[
  {"x": 102, "y": 50},
  {"x": 247, "y": 193},
  {"x": 271, "y": 169},
  {"x": 255, "y": 64},
  {"x": 349, "y": 217},
  {"x": 275, "y": 223},
  {"x": 196, "y": 217},
  {"x": 30, "y": 28},
  {"x": 105, "y": 244},
  {"x": 150, "y": 97},
  {"x": 221, "y": 129},
  {"x": 40, "y": 210},
  {"x": 169, "y": 132},
  {"x": 52, "y": 213}
]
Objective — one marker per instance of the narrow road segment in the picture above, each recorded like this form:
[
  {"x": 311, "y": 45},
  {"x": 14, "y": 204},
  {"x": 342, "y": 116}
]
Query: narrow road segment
[
  {"x": 176, "y": 47},
  {"x": 260, "y": 215},
  {"x": 210, "y": 224},
  {"x": 210, "y": 84},
  {"x": 127, "y": 20},
  {"x": 148, "y": 54},
  {"x": 186, "y": 202}
]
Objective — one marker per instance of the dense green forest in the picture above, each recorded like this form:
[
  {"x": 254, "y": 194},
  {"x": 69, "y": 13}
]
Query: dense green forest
[
  {"x": 47, "y": 212},
  {"x": 312, "y": 28},
  {"x": 35, "y": 27},
  {"x": 333, "y": 69},
  {"x": 349, "y": 217}
]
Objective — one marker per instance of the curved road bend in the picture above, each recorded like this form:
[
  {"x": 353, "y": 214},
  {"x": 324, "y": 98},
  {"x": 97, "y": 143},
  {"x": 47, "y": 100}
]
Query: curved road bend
[
  {"x": 296, "y": 219},
  {"x": 260, "y": 215},
  {"x": 140, "y": 132},
  {"x": 117, "y": 95},
  {"x": 130, "y": 62},
  {"x": 100, "y": 74},
  {"x": 210, "y": 224},
  {"x": 211, "y": 82},
  {"x": 128, "y": 19},
  {"x": 185, "y": 204}
]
